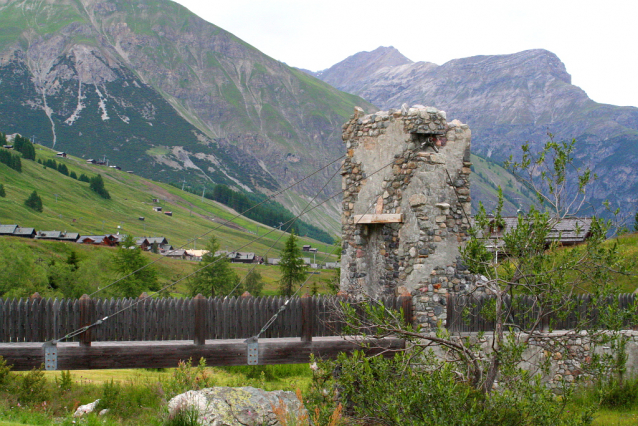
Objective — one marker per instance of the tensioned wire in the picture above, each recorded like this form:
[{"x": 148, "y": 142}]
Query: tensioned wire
[
  {"x": 217, "y": 227},
  {"x": 100, "y": 321},
  {"x": 287, "y": 229}
]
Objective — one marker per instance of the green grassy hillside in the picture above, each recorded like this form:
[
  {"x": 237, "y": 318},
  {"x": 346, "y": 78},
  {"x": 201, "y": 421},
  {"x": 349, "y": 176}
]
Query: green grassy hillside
[{"x": 70, "y": 205}]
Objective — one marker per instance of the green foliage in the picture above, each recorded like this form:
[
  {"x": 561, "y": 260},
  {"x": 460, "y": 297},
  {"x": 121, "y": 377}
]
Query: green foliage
[
  {"x": 25, "y": 147},
  {"x": 292, "y": 267},
  {"x": 134, "y": 277},
  {"x": 269, "y": 213},
  {"x": 110, "y": 394},
  {"x": 183, "y": 417},
  {"x": 216, "y": 277},
  {"x": 187, "y": 377},
  {"x": 73, "y": 175},
  {"x": 5, "y": 370},
  {"x": 65, "y": 383},
  {"x": 253, "y": 283},
  {"x": 20, "y": 273},
  {"x": 395, "y": 391},
  {"x": 62, "y": 168},
  {"x": 2, "y": 192},
  {"x": 84, "y": 178},
  {"x": 32, "y": 388},
  {"x": 97, "y": 186},
  {"x": 34, "y": 202},
  {"x": 11, "y": 160},
  {"x": 636, "y": 222}
]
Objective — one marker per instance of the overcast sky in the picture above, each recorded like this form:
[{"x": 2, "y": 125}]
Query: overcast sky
[{"x": 597, "y": 41}]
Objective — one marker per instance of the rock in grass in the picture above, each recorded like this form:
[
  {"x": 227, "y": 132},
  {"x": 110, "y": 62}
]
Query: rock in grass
[{"x": 245, "y": 406}]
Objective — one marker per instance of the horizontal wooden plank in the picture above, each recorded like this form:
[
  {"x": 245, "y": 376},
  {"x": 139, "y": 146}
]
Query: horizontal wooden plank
[
  {"x": 166, "y": 354},
  {"x": 378, "y": 218}
]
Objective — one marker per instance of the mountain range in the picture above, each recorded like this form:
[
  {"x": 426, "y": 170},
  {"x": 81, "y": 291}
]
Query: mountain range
[
  {"x": 507, "y": 100},
  {"x": 159, "y": 91},
  {"x": 156, "y": 90}
]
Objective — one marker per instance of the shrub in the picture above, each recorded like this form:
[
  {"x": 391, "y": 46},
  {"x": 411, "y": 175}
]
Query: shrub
[
  {"x": 66, "y": 382},
  {"x": 34, "y": 202},
  {"x": 186, "y": 377},
  {"x": 32, "y": 388},
  {"x": 4, "y": 371},
  {"x": 2, "y": 192},
  {"x": 84, "y": 178},
  {"x": 73, "y": 175}
]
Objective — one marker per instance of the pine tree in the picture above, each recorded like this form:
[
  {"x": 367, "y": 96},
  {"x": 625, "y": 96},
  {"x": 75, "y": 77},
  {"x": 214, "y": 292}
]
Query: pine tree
[
  {"x": 215, "y": 276},
  {"x": 97, "y": 186},
  {"x": 34, "y": 202},
  {"x": 292, "y": 266},
  {"x": 2, "y": 192},
  {"x": 254, "y": 283}
]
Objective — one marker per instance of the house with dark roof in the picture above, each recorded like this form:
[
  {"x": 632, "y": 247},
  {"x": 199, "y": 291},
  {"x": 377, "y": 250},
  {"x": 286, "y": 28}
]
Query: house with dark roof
[
  {"x": 57, "y": 236},
  {"x": 99, "y": 240},
  {"x": 24, "y": 232},
  {"x": 567, "y": 231},
  {"x": 7, "y": 229}
]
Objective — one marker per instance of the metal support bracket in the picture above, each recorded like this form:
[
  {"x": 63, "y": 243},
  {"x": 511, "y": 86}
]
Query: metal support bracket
[
  {"x": 51, "y": 355},
  {"x": 252, "y": 346}
]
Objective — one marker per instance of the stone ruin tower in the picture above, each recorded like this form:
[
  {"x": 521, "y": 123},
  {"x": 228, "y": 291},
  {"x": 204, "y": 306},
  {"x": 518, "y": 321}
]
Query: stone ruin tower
[{"x": 403, "y": 224}]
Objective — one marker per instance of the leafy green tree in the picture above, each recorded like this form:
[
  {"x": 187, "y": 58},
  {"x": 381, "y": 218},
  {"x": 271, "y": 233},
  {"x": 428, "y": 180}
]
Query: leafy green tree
[
  {"x": 128, "y": 263},
  {"x": 254, "y": 283},
  {"x": 84, "y": 178},
  {"x": 2, "y": 192},
  {"x": 215, "y": 277},
  {"x": 97, "y": 185},
  {"x": 73, "y": 175},
  {"x": 34, "y": 202},
  {"x": 292, "y": 267}
]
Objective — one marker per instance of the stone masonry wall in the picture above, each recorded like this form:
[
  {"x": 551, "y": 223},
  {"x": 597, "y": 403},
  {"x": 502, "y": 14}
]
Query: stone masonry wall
[{"x": 413, "y": 162}]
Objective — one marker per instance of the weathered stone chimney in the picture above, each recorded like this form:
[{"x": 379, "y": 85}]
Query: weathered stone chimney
[{"x": 406, "y": 206}]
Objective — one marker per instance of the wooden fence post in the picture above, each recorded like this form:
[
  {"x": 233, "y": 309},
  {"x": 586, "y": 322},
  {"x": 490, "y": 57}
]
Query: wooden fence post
[
  {"x": 307, "y": 318},
  {"x": 200, "y": 303},
  {"x": 86, "y": 318},
  {"x": 406, "y": 305}
]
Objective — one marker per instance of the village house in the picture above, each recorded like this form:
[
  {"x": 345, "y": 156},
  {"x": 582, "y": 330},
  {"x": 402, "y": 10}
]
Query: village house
[
  {"x": 566, "y": 232},
  {"x": 100, "y": 240},
  {"x": 57, "y": 236},
  {"x": 16, "y": 231}
]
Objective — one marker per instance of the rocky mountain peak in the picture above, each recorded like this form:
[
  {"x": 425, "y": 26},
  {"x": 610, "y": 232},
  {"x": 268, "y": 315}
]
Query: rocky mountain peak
[{"x": 359, "y": 65}]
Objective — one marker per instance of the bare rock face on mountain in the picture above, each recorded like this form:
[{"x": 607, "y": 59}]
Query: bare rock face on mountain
[
  {"x": 162, "y": 92},
  {"x": 508, "y": 100}
]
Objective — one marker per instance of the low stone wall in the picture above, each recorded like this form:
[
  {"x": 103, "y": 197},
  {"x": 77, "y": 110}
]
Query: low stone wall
[{"x": 566, "y": 356}]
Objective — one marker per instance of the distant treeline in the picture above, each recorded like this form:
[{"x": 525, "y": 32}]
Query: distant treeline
[{"x": 270, "y": 213}]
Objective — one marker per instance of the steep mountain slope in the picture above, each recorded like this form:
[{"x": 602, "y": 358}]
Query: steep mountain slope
[
  {"x": 158, "y": 90},
  {"x": 510, "y": 99}
]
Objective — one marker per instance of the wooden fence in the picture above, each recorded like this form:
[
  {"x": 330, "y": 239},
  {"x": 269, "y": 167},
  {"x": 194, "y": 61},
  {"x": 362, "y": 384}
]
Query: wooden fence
[
  {"x": 40, "y": 320},
  {"x": 472, "y": 313}
]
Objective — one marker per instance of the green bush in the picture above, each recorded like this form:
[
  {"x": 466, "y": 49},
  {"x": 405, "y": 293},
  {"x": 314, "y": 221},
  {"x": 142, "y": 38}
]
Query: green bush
[
  {"x": 186, "y": 377},
  {"x": 65, "y": 383},
  {"x": 73, "y": 175},
  {"x": 4, "y": 371},
  {"x": 84, "y": 178},
  {"x": 397, "y": 392},
  {"x": 2, "y": 192},
  {"x": 34, "y": 202},
  {"x": 32, "y": 387}
]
